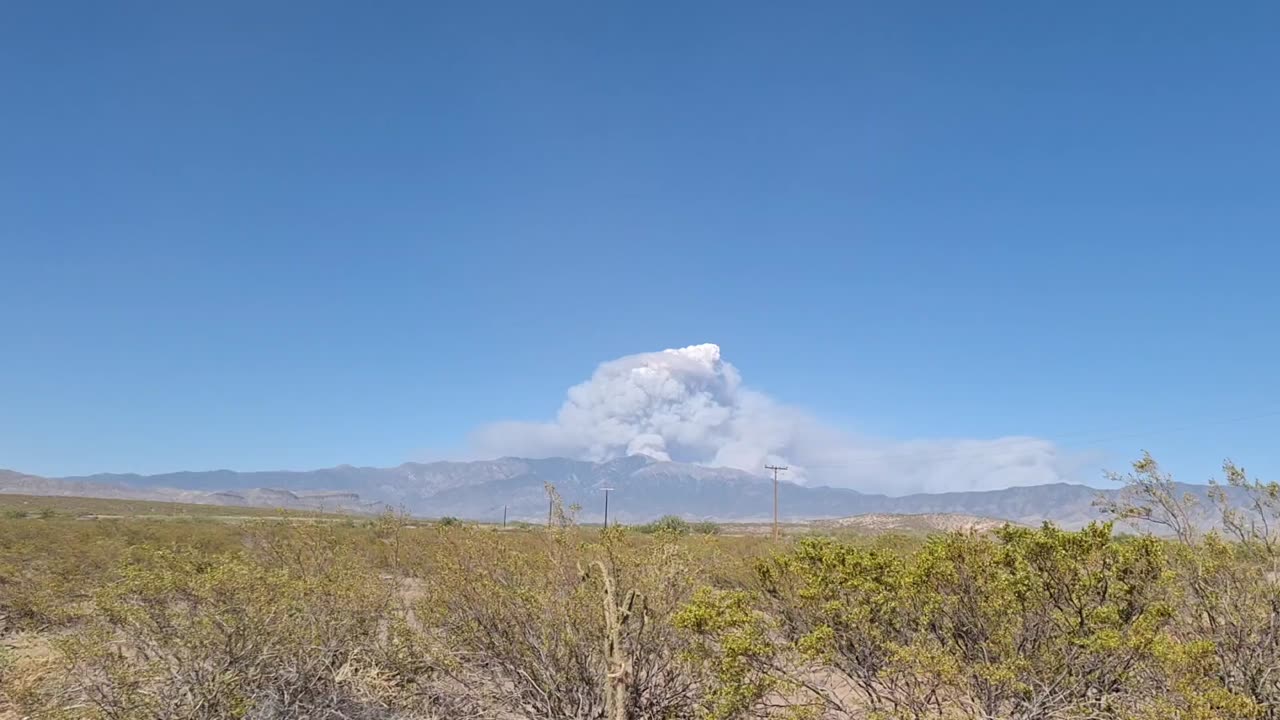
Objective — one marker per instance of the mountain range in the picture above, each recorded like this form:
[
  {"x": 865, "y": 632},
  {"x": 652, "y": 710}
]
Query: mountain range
[{"x": 642, "y": 489}]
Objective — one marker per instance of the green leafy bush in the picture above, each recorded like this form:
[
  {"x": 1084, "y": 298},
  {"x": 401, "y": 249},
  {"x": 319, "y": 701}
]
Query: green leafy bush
[{"x": 672, "y": 524}]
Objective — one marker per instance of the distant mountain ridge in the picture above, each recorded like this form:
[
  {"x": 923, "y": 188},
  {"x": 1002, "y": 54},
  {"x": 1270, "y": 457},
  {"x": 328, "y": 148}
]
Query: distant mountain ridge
[
  {"x": 643, "y": 489},
  {"x": 108, "y": 487}
]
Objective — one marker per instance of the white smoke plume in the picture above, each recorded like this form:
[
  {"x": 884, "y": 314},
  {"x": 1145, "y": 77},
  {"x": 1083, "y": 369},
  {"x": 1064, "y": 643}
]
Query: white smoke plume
[{"x": 689, "y": 405}]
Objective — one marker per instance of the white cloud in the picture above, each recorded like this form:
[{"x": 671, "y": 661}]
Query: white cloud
[{"x": 689, "y": 405}]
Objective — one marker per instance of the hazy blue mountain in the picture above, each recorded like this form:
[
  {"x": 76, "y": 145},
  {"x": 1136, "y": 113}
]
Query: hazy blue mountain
[
  {"x": 117, "y": 487},
  {"x": 643, "y": 488}
]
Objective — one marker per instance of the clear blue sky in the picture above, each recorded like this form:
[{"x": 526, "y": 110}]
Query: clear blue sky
[{"x": 289, "y": 235}]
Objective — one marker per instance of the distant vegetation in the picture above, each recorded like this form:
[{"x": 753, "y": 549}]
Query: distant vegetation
[
  {"x": 149, "y": 618},
  {"x": 677, "y": 525},
  {"x": 12, "y": 505}
]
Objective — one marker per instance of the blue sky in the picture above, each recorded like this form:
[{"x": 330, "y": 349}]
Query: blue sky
[{"x": 270, "y": 235}]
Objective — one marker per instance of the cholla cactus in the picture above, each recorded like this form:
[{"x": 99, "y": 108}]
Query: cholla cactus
[{"x": 618, "y": 674}]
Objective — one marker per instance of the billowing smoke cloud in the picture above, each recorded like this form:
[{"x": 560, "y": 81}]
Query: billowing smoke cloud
[{"x": 689, "y": 405}]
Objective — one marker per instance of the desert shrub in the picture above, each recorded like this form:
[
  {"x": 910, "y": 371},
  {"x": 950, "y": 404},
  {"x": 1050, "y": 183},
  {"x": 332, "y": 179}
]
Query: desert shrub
[
  {"x": 673, "y": 524},
  {"x": 705, "y": 527},
  {"x": 735, "y": 645},
  {"x": 221, "y": 637},
  {"x": 533, "y": 623},
  {"x": 1027, "y": 624},
  {"x": 1229, "y": 603},
  {"x": 1039, "y": 622},
  {"x": 187, "y": 634},
  {"x": 49, "y": 570}
]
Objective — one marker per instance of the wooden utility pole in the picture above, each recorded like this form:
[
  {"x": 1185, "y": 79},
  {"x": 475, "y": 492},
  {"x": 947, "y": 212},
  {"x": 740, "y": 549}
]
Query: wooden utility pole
[
  {"x": 606, "y": 507},
  {"x": 504, "y": 517},
  {"x": 776, "y": 469}
]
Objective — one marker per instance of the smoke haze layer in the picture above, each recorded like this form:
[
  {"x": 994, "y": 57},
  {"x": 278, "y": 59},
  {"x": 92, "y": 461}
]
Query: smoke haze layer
[{"x": 690, "y": 405}]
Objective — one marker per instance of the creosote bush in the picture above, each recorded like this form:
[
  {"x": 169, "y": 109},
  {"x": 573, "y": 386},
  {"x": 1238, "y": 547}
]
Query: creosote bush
[
  {"x": 185, "y": 634},
  {"x": 676, "y": 525},
  {"x": 554, "y": 630}
]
